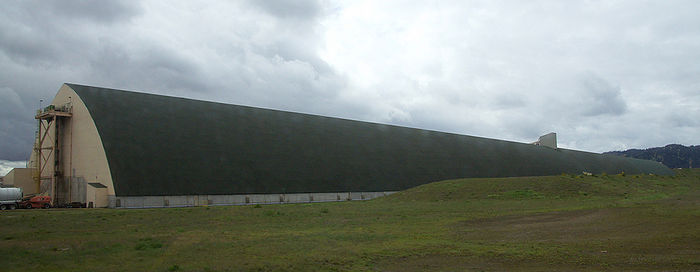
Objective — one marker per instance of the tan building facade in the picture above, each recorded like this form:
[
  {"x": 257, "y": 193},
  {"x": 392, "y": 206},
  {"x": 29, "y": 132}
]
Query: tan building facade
[
  {"x": 70, "y": 153},
  {"x": 21, "y": 178}
]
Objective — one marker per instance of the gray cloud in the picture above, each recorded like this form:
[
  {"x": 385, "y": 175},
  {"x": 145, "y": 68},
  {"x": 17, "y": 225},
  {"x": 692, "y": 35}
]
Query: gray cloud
[
  {"x": 601, "y": 75},
  {"x": 683, "y": 117},
  {"x": 224, "y": 52},
  {"x": 303, "y": 10},
  {"x": 148, "y": 65},
  {"x": 104, "y": 12},
  {"x": 600, "y": 97},
  {"x": 16, "y": 126},
  {"x": 47, "y": 32}
]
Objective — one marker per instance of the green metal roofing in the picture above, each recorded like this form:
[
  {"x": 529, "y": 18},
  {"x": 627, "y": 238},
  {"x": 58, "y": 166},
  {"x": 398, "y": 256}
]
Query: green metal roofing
[{"x": 160, "y": 145}]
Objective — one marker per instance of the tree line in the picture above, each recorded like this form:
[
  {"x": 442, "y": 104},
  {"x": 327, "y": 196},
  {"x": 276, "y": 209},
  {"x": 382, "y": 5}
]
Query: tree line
[{"x": 673, "y": 155}]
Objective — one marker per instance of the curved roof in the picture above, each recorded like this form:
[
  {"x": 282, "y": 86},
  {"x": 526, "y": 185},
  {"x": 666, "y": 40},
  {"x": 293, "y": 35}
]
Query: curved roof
[{"x": 160, "y": 145}]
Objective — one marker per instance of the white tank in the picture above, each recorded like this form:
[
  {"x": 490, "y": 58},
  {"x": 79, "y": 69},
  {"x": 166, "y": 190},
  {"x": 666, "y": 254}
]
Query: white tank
[{"x": 10, "y": 194}]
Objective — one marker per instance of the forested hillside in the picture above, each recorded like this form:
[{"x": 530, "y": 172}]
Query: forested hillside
[{"x": 673, "y": 155}]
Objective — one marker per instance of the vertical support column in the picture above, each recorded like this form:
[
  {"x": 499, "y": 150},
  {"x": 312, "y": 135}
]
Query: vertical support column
[
  {"x": 56, "y": 158},
  {"x": 39, "y": 157},
  {"x": 71, "y": 171}
]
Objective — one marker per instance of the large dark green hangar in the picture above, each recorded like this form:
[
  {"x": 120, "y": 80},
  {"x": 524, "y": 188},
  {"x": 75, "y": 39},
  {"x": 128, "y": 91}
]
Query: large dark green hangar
[{"x": 114, "y": 148}]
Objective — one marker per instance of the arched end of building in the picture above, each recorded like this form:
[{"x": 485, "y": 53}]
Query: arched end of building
[{"x": 69, "y": 152}]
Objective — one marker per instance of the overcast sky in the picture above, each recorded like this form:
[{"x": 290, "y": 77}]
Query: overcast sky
[{"x": 603, "y": 75}]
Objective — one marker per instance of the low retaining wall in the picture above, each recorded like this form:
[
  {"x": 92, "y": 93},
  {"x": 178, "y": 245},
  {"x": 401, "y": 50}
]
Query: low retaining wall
[{"x": 218, "y": 200}]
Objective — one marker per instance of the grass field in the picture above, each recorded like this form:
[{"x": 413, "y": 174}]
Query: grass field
[{"x": 566, "y": 223}]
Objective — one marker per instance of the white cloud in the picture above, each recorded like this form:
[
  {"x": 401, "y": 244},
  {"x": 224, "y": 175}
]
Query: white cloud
[
  {"x": 7, "y": 166},
  {"x": 515, "y": 70}
]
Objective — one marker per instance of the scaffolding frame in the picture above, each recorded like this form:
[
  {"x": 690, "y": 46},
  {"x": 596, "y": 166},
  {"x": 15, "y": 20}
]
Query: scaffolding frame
[{"x": 49, "y": 146}]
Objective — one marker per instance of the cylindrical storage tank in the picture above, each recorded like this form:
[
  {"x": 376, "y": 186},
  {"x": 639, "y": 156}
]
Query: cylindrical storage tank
[{"x": 10, "y": 194}]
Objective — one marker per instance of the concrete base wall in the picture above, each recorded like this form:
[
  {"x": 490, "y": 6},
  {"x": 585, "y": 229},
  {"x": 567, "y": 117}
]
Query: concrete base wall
[{"x": 218, "y": 200}]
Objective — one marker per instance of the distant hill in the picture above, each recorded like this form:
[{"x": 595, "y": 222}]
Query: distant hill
[{"x": 673, "y": 155}]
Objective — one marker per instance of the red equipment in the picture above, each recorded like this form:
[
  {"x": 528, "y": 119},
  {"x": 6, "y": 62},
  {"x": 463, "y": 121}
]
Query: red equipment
[{"x": 36, "y": 202}]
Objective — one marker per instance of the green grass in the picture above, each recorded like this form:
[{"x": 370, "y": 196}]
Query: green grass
[{"x": 566, "y": 222}]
